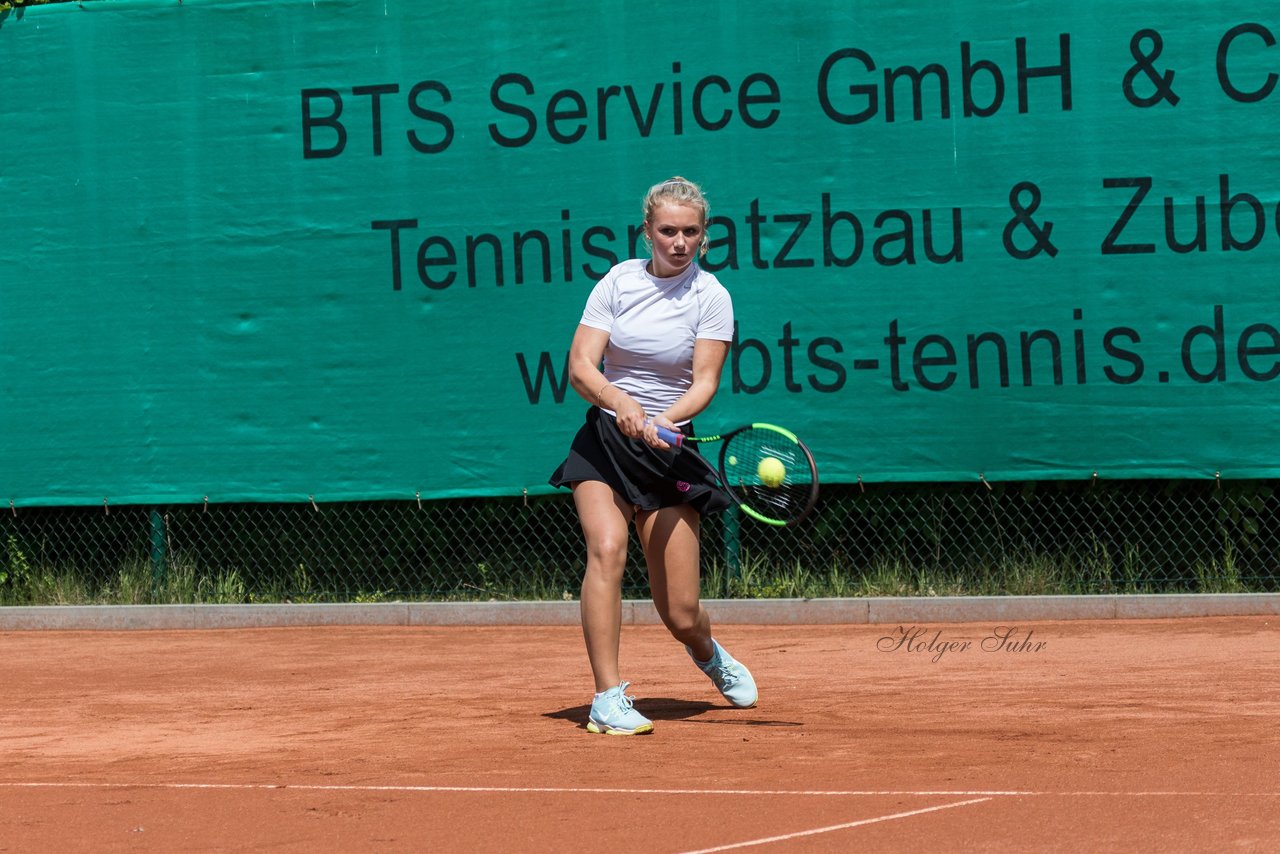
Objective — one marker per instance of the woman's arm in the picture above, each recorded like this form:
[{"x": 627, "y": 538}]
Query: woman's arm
[
  {"x": 584, "y": 375},
  {"x": 708, "y": 363}
]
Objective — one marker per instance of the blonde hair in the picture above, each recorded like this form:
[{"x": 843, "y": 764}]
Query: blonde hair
[{"x": 678, "y": 191}]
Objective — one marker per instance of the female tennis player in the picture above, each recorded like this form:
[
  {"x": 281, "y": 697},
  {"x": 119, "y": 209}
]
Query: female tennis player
[{"x": 661, "y": 327}]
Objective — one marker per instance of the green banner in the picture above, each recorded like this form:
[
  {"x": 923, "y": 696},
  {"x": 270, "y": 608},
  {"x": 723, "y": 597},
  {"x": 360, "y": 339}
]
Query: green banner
[{"x": 336, "y": 249}]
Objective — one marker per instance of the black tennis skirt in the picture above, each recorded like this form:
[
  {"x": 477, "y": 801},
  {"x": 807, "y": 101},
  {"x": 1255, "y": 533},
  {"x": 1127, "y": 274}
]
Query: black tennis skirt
[{"x": 643, "y": 475}]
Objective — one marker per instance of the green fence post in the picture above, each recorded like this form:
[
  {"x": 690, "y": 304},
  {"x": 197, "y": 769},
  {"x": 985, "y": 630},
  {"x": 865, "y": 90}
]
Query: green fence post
[
  {"x": 159, "y": 558},
  {"x": 732, "y": 548}
]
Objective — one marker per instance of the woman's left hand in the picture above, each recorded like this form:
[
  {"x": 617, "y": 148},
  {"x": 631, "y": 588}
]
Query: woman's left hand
[{"x": 651, "y": 431}]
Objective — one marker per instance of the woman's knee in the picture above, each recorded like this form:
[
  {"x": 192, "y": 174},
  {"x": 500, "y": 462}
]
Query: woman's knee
[
  {"x": 607, "y": 551},
  {"x": 607, "y": 557},
  {"x": 682, "y": 619},
  {"x": 605, "y": 522}
]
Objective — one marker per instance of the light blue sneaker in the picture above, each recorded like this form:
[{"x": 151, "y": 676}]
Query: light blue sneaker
[
  {"x": 612, "y": 713},
  {"x": 732, "y": 679}
]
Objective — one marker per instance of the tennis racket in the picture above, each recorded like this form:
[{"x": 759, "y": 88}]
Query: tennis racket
[{"x": 766, "y": 469}]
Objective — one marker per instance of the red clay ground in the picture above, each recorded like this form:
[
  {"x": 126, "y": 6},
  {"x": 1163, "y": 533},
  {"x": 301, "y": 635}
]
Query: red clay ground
[{"x": 1111, "y": 736}]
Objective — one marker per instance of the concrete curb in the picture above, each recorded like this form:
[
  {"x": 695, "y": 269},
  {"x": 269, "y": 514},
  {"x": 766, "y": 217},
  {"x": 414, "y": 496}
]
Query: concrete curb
[{"x": 957, "y": 609}]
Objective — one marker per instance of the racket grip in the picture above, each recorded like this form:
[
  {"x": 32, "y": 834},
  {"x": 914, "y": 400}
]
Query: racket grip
[{"x": 671, "y": 437}]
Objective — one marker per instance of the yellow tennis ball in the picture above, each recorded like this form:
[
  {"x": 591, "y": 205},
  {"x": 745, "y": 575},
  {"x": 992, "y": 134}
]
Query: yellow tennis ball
[
  {"x": 733, "y": 461},
  {"x": 771, "y": 471}
]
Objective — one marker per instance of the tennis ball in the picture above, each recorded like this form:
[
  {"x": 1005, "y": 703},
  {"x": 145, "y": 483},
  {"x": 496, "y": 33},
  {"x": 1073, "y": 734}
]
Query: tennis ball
[
  {"x": 771, "y": 471},
  {"x": 733, "y": 461}
]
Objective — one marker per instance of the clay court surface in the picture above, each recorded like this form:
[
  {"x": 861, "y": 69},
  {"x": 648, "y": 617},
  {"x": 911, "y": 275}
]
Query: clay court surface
[{"x": 1107, "y": 736}]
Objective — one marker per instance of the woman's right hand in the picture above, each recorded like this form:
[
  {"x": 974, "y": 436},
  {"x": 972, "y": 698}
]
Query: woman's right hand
[{"x": 630, "y": 416}]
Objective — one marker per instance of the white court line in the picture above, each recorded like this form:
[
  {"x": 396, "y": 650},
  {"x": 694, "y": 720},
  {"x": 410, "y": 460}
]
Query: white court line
[
  {"x": 587, "y": 790},
  {"x": 555, "y": 790},
  {"x": 784, "y": 837}
]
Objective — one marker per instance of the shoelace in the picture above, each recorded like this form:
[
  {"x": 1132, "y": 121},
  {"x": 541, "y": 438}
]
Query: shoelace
[
  {"x": 625, "y": 703},
  {"x": 721, "y": 673},
  {"x": 728, "y": 673}
]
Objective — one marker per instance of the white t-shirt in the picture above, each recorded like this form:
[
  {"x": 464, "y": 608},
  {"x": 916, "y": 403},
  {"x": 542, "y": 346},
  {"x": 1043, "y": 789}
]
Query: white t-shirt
[{"x": 652, "y": 324}]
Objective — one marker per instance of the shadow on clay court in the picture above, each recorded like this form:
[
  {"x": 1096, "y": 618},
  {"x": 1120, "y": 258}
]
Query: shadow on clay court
[{"x": 669, "y": 709}]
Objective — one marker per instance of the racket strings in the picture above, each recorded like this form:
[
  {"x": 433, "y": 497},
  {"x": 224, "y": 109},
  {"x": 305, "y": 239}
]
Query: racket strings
[{"x": 750, "y": 463}]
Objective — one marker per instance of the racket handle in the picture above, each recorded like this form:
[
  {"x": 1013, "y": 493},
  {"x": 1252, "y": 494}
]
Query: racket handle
[{"x": 671, "y": 437}]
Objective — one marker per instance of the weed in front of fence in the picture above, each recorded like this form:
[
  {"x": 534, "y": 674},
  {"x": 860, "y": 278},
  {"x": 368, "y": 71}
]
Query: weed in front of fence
[{"x": 886, "y": 540}]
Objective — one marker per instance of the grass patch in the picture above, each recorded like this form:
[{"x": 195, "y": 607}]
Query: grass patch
[{"x": 183, "y": 581}]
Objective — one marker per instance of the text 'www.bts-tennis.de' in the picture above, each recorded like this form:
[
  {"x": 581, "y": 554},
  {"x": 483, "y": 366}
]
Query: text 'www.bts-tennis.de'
[{"x": 791, "y": 358}]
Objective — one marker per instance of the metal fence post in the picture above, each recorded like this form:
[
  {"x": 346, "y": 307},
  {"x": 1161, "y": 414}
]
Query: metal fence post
[
  {"x": 732, "y": 546},
  {"x": 159, "y": 557}
]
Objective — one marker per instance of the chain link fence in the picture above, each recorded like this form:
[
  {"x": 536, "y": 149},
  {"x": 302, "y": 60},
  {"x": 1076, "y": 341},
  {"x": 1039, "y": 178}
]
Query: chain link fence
[{"x": 863, "y": 540}]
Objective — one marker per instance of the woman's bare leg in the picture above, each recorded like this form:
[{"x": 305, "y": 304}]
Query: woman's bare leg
[
  {"x": 669, "y": 537},
  {"x": 605, "y": 518}
]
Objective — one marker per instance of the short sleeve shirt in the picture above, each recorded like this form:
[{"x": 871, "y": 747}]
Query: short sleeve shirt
[{"x": 652, "y": 325}]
